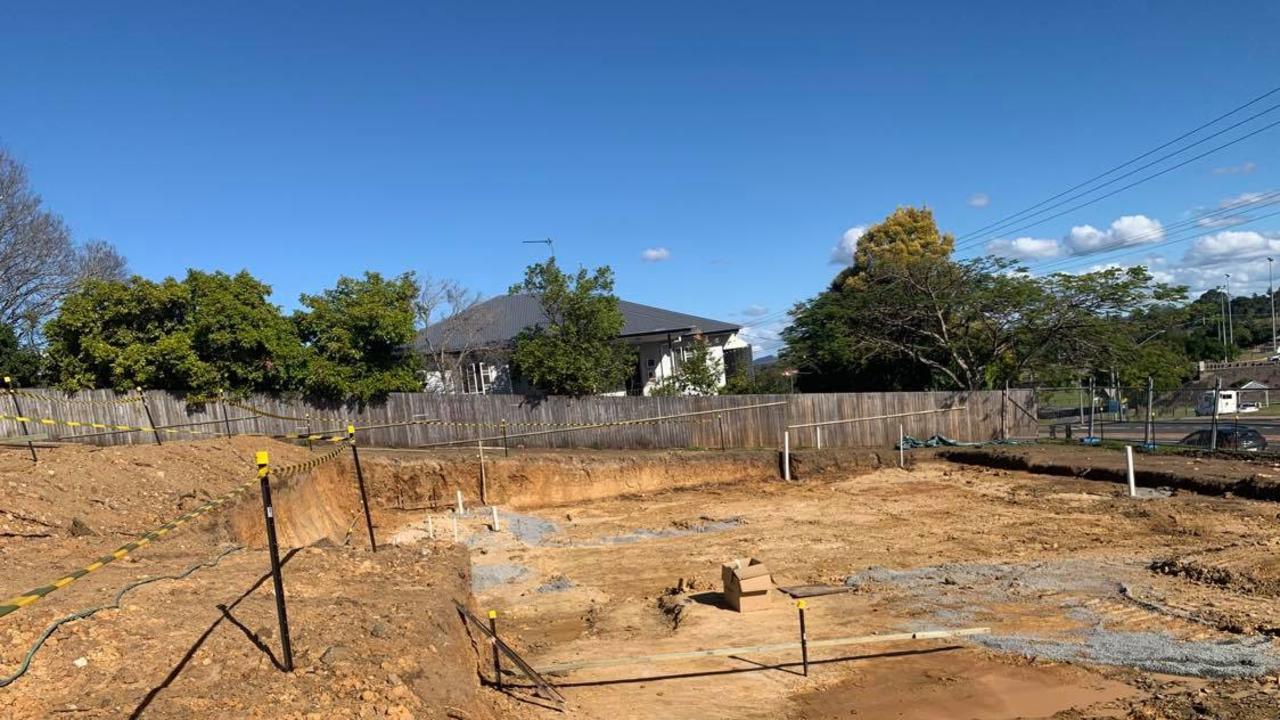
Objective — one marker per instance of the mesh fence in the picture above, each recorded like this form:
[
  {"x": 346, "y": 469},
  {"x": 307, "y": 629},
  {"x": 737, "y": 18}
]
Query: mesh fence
[{"x": 1185, "y": 417}]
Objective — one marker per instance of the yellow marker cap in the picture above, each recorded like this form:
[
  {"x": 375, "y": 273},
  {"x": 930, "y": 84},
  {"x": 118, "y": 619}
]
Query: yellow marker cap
[
  {"x": 800, "y": 604},
  {"x": 493, "y": 614},
  {"x": 351, "y": 429},
  {"x": 6, "y": 379},
  {"x": 262, "y": 458}
]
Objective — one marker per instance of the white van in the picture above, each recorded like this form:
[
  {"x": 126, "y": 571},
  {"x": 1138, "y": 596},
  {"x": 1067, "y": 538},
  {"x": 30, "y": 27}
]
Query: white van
[{"x": 1227, "y": 402}]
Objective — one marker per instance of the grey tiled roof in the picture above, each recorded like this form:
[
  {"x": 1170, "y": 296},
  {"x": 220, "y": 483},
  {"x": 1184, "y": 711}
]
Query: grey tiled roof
[{"x": 497, "y": 321}]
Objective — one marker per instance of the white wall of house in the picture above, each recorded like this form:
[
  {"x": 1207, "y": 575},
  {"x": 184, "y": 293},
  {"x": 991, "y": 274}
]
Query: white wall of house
[
  {"x": 659, "y": 359},
  {"x": 476, "y": 378}
]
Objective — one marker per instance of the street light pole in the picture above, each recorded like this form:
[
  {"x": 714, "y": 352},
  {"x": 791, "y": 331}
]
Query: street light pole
[
  {"x": 1271, "y": 293},
  {"x": 1222, "y": 322},
  {"x": 1231, "y": 335}
]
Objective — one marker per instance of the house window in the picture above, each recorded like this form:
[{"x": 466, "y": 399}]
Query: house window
[{"x": 477, "y": 378}]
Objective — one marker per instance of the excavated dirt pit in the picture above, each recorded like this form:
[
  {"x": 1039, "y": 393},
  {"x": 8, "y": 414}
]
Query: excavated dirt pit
[
  {"x": 1092, "y": 610},
  {"x": 1098, "y": 605}
]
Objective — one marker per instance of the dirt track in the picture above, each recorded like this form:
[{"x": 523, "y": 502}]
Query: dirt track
[{"x": 1096, "y": 601}]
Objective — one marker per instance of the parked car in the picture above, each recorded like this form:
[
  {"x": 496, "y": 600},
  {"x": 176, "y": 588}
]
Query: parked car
[{"x": 1231, "y": 437}]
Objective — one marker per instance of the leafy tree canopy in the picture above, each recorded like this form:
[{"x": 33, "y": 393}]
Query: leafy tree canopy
[
  {"x": 697, "y": 373},
  {"x": 208, "y": 332},
  {"x": 20, "y": 362},
  {"x": 358, "y": 335},
  {"x": 576, "y": 351},
  {"x": 908, "y": 234},
  {"x": 968, "y": 324}
]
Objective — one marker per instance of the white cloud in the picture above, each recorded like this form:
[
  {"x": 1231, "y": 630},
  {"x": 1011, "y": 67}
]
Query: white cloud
[
  {"x": 842, "y": 253},
  {"x": 979, "y": 200},
  {"x": 657, "y": 254},
  {"x": 1125, "y": 231},
  {"x": 1245, "y": 199},
  {"x": 755, "y": 310},
  {"x": 1221, "y": 221},
  {"x": 1082, "y": 240},
  {"x": 765, "y": 338},
  {"x": 1232, "y": 246},
  {"x": 1025, "y": 248},
  {"x": 1243, "y": 168}
]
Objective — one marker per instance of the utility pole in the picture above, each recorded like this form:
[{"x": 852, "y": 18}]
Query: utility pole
[
  {"x": 1231, "y": 336},
  {"x": 1213, "y": 428},
  {"x": 1222, "y": 322},
  {"x": 1271, "y": 293}
]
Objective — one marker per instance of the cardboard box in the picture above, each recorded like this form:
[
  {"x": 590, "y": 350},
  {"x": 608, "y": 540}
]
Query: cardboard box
[{"x": 747, "y": 584}]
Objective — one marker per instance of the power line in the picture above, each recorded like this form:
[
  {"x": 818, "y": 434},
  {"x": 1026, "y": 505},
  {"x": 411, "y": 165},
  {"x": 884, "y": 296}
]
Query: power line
[
  {"x": 1146, "y": 248},
  {"x": 1263, "y": 200},
  {"x": 1140, "y": 181},
  {"x": 1125, "y": 164}
]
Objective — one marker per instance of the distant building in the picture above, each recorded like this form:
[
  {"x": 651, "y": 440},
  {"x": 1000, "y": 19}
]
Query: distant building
[{"x": 472, "y": 348}]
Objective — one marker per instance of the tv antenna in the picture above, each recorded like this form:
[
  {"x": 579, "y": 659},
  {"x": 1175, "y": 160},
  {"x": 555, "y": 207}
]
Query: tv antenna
[{"x": 550, "y": 246}]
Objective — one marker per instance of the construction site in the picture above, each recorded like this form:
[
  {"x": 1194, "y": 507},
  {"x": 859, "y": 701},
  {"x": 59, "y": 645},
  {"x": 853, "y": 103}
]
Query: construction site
[{"x": 1001, "y": 579}]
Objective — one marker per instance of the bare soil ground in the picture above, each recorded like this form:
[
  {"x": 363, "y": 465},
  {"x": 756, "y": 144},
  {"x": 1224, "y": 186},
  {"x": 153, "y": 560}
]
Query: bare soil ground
[
  {"x": 374, "y": 635},
  {"x": 1092, "y": 610},
  {"x": 1236, "y": 473},
  {"x": 1099, "y": 605}
]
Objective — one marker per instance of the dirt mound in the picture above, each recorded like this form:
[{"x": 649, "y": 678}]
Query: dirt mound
[
  {"x": 1249, "y": 569},
  {"x": 84, "y": 490},
  {"x": 1252, "y": 477}
]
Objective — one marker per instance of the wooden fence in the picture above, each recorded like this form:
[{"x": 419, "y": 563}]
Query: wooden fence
[{"x": 543, "y": 422}]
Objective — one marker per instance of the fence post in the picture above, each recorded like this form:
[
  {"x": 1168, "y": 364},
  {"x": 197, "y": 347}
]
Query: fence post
[
  {"x": 484, "y": 478},
  {"x": 786, "y": 454},
  {"x": 1151, "y": 412},
  {"x": 1004, "y": 412},
  {"x": 497, "y": 657},
  {"x": 1128, "y": 460},
  {"x": 8, "y": 382},
  {"x": 506, "y": 452},
  {"x": 1213, "y": 432},
  {"x": 364, "y": 496},
  {"x": 902, "y": 444},
  {"x": 226, "y": 418},
  {"x": 720, "y": 421},
  {"x": 804, "y": 639},
  {"x": 150, "y": 420},
  {"x": 818, "y": 432},
  {"x": 268, "y": 513},
  {"x": 1093, "y": 403}
]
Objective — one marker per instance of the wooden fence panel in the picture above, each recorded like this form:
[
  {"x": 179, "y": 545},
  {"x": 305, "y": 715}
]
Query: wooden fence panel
[{"x": 466, "y": 419}]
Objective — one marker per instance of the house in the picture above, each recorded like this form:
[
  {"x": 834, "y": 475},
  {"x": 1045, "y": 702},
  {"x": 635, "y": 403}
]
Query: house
[{"x": 468, "y": 352}]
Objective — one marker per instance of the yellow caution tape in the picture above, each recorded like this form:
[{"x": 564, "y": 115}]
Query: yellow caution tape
[{"x": 31, "y": 596}]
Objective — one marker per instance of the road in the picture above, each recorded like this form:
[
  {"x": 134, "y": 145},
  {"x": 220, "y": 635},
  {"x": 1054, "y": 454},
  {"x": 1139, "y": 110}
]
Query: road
[{"x": 1170, "y": 431}]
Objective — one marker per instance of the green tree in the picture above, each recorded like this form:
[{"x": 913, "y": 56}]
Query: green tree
[
  {"x": 21, "y": 363},
  {"x": 357, "y": 335},
  {"x": 977, "y": 323},
  {"x": 697, "y": 373},
  {"x": 768, "y": 380},
  {"x": 908, "y": 234},
  {"x": 205, "y": 333},
  {"x": 576, "y": 351}
]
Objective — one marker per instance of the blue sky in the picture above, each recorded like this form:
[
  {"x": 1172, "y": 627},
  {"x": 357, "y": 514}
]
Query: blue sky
[{"x": 737, "y": 141}]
